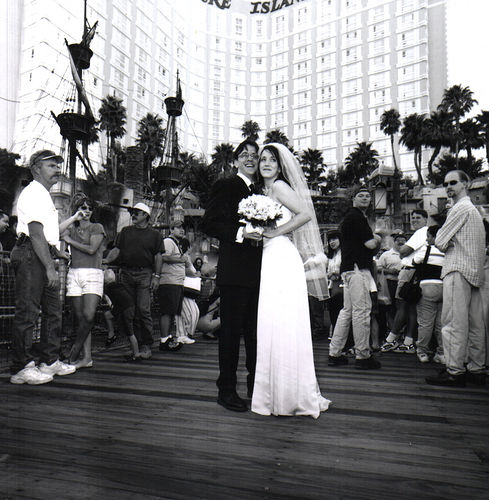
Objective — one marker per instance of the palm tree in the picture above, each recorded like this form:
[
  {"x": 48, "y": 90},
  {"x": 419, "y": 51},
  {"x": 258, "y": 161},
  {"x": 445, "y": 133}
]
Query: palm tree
[
  {"x": 483, "y": 119},
  {"x": 390, "y": 124},
  {"x": 198, "y": 176},
  {"x": 113, "y": 117},
  {"x": 361, "y": 162},
  {"x": 151, "y": 135},
  {"x": 313, "y": 166},
  {"x": 223, "y": 158},
  {"x": 471, "y": 136},
  {"x": 250, "y": 130},
  {"x": 457, "y": 101},
  {"x": 438, "y": 133},
  {"x": 276, "y": 135},
  {"x": 413, "y": 137}
]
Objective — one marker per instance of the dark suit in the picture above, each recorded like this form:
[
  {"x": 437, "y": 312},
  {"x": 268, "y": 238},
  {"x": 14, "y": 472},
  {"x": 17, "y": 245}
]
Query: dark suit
[{"x": 238, "y": 278}]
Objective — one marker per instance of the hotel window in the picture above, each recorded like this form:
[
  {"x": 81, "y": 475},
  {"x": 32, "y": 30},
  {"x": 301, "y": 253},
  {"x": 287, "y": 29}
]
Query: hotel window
[
  {"x": 140, "y": 91},
  {"x": 239, "y": 27},
  {"x": 259, "y": 28},
  {"x": 141, "y": 74},
  {"x": 280, "y": 24}
]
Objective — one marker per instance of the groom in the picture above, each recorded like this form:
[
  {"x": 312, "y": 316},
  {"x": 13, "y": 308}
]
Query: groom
[{"x": 238, "y": 274}]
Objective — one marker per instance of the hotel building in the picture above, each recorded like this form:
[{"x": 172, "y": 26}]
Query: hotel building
[{"x": 321, "y": 71}]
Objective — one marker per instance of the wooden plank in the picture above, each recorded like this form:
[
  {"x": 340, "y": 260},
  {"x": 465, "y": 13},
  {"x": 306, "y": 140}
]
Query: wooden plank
[{"x": 154, "y": 430}]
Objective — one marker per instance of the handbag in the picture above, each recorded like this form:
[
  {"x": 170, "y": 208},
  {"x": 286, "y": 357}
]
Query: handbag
[
  {"x": 411, "y": 290},
  {"x": 191, "y": 286}
]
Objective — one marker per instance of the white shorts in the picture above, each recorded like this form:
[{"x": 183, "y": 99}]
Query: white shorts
[{"x": 83, "y": 280}]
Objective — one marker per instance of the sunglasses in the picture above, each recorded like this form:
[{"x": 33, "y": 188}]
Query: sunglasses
[{"x": 450, "y": 183}]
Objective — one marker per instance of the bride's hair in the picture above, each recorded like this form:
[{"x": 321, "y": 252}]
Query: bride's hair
[{"x": 281, "y": 175}]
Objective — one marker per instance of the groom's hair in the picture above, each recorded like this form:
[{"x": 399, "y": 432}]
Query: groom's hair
[{"x": 241, "y": 147}]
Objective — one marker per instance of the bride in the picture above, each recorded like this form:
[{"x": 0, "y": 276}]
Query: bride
[{"x": 285, "y": 379}]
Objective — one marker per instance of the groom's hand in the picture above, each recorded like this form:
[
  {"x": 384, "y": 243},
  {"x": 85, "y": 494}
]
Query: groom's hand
[{"x": 252, "y": 235}]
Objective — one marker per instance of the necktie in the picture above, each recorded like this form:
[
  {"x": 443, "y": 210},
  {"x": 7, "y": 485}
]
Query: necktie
[{"x": 252, "y": 188}]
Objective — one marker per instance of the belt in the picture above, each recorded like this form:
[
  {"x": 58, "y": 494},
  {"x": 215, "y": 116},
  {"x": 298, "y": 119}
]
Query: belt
[
  {"x": 23, "y": 238},
  {"x": 137, "y": 268},
  {"x": 408, "y": 267}
]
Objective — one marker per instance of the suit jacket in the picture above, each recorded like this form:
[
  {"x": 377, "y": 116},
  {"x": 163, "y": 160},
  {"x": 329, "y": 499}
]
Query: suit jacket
[{"x": 239, "y": 263}]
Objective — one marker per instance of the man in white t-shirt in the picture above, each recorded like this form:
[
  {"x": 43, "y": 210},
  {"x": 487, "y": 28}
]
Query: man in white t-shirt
[
  {"x": 36, "y": 278},
  {"x": 406, "y": 312}
]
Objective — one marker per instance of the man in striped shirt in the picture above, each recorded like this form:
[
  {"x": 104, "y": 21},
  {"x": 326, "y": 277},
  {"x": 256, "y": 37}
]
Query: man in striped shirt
[{"x": 462, "y": 238}]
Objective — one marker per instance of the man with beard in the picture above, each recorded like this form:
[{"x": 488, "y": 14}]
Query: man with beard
[
  {"x": 37, "y": 282},
  {"x": 462, "y": 238}
]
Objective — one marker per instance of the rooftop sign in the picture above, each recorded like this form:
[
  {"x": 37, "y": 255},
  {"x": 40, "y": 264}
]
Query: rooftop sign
[{"x": 256, "y": 7}]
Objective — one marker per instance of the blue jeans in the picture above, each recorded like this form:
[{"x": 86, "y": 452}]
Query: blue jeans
[
  {"x": 31, "y": 296},
  {"x": 138, "y": 283}
]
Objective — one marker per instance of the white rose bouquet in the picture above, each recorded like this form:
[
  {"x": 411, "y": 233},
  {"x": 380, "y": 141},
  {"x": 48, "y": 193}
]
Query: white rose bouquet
[{"x": 259, "y": 212}]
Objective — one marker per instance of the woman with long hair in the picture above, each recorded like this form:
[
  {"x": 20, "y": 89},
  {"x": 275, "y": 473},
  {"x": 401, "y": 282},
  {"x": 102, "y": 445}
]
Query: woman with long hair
[
  {"x": 285, "y": 379},
  {"x": 85, "y": 280}
]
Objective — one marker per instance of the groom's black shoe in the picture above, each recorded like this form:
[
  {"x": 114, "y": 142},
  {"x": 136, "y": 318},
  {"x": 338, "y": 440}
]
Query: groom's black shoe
[{"x": 231, "y": 401}]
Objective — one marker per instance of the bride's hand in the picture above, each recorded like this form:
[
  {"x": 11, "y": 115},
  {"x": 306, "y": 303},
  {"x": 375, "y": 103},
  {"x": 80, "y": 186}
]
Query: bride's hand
[{"x": 270, "y": 233}]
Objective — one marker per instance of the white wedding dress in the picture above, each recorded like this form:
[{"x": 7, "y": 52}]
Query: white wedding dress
[{"x": 285, "y": 379}]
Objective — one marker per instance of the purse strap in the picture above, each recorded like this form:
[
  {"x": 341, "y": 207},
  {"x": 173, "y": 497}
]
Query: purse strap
[{"x": 423, "y": 264}]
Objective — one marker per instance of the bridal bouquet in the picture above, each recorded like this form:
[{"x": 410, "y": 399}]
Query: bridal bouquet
[{"x": 259, "y": 212}]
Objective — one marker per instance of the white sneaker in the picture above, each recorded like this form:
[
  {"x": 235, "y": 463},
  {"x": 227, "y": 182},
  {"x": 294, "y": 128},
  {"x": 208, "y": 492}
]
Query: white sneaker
[
  {"x": 185, "y": 340},
  {"x": 439, "y": 358},
  {"x": 423, "y": 357},
  {"x": 57, "y": 368},
  {"x": 30, "y": 374}
]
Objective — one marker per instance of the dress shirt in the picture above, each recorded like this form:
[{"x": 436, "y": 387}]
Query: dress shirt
[
  {"x": 239, "y": 234},
  {"x": 462, "y": 238}
]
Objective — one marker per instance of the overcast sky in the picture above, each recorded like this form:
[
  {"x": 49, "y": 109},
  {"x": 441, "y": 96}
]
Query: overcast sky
[{"x": 468, "y": 47}]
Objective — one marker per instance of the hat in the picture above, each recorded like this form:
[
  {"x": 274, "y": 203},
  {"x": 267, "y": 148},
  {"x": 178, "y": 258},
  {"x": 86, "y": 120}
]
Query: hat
[
  {"x": 44, "y": 154},
  {"x": 143, "y": 207},
  {"x": 398, "y": 234},
  {"x": 360, "y": 189}
]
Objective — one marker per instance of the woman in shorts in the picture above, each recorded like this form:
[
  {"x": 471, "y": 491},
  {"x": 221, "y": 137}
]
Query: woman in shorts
[{"x": 85, "y": 280}]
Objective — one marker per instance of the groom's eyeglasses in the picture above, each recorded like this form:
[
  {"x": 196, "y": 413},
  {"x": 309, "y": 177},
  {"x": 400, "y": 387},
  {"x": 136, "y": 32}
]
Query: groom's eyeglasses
[
  {"x": 450, "y": 183},
  {"x": 245, "y": 156}
]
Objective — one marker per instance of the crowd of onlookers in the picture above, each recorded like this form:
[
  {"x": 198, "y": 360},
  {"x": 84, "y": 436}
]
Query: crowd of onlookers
[
  {"x": 124, "y": 276},
  {"x": 424, "y": 294}
]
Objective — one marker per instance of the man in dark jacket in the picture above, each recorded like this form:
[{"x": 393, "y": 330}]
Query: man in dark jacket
[
  {"x": 358, "y": 246},
  {"x": 238, "y": 274}
]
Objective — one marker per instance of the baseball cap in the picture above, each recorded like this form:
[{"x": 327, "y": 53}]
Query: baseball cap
[
  {"x": 143, "y": 207},
  {"x": 44, "y": 154},
  {"x": 360, "y": 189}
]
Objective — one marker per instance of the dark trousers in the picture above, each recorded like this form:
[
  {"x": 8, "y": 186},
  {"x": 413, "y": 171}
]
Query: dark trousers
[
  {"x": 138, "y": 284},
  {"x": 239, "y": 308},
  {"x": 32, "y": 296},
  {"x": 316, "y": 315}
]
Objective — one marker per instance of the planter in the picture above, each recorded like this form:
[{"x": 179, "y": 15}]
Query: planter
[
  {"x": 74, "y": 126},
  {"x": 81, "y": 55}
]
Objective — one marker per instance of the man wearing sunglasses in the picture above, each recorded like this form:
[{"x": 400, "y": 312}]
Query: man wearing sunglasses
[
  {"x": 238, "y": 274},
  {"x": 462, "y": 238}
]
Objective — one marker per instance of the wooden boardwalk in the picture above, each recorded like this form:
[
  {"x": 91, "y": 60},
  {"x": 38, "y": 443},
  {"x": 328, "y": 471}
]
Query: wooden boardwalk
[{"x": 153, "y": 430}]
